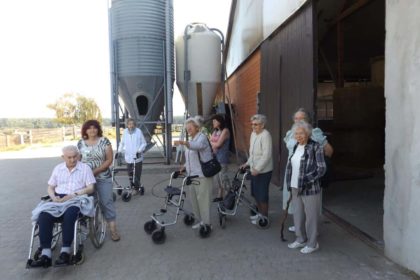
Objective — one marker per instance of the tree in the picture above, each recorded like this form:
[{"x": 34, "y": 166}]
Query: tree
[{"x": 72, "y": 109}]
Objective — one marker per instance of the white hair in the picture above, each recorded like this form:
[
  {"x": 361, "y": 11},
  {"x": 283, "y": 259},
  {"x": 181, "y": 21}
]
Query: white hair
[
  {"x": 198, "y": 121},
  {"x": 70, "y": 148},
  {"x": 304, "y": 125},
  {"x": 259, "y": 118}
]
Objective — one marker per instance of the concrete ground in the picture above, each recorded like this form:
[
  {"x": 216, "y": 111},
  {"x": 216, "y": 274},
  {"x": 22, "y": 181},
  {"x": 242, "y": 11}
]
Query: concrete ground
[{"x": 241, "y": 251}]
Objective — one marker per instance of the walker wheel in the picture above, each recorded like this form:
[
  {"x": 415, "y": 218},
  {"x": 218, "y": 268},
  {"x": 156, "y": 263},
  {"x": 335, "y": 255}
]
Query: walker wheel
[
  {"x": 159, "y": 236},
  {"x": 205, "y": 231},
  {"x": 141, "y": 191},
  {"x": 119, "y": 191},
  {"x": 188, "y": 220},
  {"x": 263, "y": 223},
  {"x": 149, "y": 226},
  {"x": 126, "y": 196},
  {"x": 222, "y": 220},
  {"x": 114, "y": 196}
]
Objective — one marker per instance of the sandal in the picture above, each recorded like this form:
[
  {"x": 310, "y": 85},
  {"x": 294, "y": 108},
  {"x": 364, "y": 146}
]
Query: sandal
[{"x": 115, "y": 236}]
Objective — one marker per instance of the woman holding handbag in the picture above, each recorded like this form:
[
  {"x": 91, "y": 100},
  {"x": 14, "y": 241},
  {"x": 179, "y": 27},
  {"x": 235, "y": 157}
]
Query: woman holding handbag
[{"x": 198, "y": 151}]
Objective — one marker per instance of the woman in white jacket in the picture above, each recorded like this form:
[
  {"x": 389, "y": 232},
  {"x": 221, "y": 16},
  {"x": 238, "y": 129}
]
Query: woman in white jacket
[{"x": 133, "y": 145}]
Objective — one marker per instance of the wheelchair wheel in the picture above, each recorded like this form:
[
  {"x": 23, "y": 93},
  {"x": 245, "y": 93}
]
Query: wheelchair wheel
[
  {"x": 159, "y": 236},
  {"x": 141, "y": 191},
  {"x": 126, "y": 196},
  {"x": 119, "y": 192},
  {"x": 205, "y": 231},
  {"x": 188, "y": 220},
  {"x": 97, "y": 227},
  {"x": 222, "y": 220},
  {"x": 150, "y": 226},
  {"x": 263, "y": 223}
]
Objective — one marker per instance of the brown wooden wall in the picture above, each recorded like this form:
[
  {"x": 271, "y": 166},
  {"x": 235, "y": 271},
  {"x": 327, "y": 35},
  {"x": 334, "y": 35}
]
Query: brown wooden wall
[
  {"x": 287, "y": 79},
  {"x": 242, "y": 88}
]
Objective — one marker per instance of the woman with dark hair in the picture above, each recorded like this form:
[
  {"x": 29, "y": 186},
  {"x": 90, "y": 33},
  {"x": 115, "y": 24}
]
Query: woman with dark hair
[
  {"x": 219, "y": 139},
  {"x": 96, "y": 152}
]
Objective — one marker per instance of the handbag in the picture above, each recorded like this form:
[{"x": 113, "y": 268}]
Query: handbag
[{"x": 211, "y": 167}]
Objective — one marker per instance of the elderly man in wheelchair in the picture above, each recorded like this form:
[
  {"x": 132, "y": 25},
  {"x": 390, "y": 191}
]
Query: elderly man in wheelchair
[{"x": 68, "y": 210}]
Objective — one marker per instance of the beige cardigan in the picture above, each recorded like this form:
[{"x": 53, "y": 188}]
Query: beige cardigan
[{"x": 260, "y": 152}]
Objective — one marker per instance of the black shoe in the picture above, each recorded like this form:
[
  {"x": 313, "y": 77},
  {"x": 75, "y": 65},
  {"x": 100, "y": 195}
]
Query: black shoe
[
  {"x": 63, "y": 259},
  {"x": 218, "y": 199},
  {"x": 43, "y": 261}
]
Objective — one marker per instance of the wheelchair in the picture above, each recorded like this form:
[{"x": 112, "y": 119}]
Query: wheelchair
[{"x": 85, "y": 227}]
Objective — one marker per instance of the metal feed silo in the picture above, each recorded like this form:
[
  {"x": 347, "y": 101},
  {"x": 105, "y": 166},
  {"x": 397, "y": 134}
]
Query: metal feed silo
[
  {"x": 199, "y": 66},
  {"x": 142, "y": 58}
]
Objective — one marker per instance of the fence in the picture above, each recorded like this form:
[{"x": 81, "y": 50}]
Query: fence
[
  {"x": 39, "y": 135},
  {"x": 53, "y": 135}
]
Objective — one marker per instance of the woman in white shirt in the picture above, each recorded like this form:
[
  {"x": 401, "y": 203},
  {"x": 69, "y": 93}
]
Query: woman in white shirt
[
  {"x": 260, "y": 162},
  {"x": 304, "y": 169},
  {"x": 133, "y": 145}
]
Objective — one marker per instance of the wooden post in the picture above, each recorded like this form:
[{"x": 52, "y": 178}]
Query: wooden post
[
  {"x": 63, "y": 133},
  {"x": 340, "y": 55},
  {"x": 74, "y": 132},
  {"x": 30, "y": 137}
]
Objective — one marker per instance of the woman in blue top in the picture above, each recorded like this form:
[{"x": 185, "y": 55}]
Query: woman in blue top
[
  {"x": 220, "y": 139},
  {"x": 317, "y": 135}
]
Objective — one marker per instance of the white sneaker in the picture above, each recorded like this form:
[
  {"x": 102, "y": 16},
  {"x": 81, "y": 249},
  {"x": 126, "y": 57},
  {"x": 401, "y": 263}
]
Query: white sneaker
[
  {"x": 255, "y": 217},
  {"x": 308, "y": 250},
  {"x": 296, "y": 245},
  {"x": 292, "y": 229},
  {"x": 254, "y": 221},
  {"x": 196, "y": 226}
]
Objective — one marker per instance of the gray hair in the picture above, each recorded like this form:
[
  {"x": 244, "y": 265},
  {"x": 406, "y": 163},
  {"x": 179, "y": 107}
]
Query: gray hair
[
  {"x": 130, "y": 120},
  {"x": 305, "y": 112},
  {"x": 302, "y": 124},
  {"x": 70, "y": 148},
  {"x": 259, "y": 118},
  {"x": 198, "y": 121}
]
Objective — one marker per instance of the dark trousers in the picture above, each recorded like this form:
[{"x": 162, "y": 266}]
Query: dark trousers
[
  {"x": 137, "y": 176},
  {"x": 46, "y": 224}
]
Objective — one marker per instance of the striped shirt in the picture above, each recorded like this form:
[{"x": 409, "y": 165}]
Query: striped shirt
[
  {"x": 95, "y": 155},
  {"x": 69, "y": 182},
  {"x": 312, "y": 168}
]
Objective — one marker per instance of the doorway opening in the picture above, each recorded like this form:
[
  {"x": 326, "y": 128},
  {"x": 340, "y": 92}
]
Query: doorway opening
[{"x": 350, "y": 108}]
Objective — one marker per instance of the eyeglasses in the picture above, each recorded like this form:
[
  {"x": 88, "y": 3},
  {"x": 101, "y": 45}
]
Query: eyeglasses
[{"x": 255, "y": 124}]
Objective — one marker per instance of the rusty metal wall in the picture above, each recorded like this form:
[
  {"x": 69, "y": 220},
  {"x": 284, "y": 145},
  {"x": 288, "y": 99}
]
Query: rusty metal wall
[{"x": 287, "y": 79}]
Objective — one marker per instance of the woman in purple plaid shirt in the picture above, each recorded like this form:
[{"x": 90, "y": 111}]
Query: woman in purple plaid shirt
[{"x": 304, "y": 169}]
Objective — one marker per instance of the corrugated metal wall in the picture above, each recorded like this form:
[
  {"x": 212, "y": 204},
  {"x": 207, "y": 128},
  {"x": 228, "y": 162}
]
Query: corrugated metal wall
[
  {"x": 287, "y": 79},
  {"x": 243, "y": 87}
]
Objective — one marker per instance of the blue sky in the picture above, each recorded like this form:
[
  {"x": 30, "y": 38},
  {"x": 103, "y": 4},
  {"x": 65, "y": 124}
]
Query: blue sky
[{"x": 50, "y": 47}]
